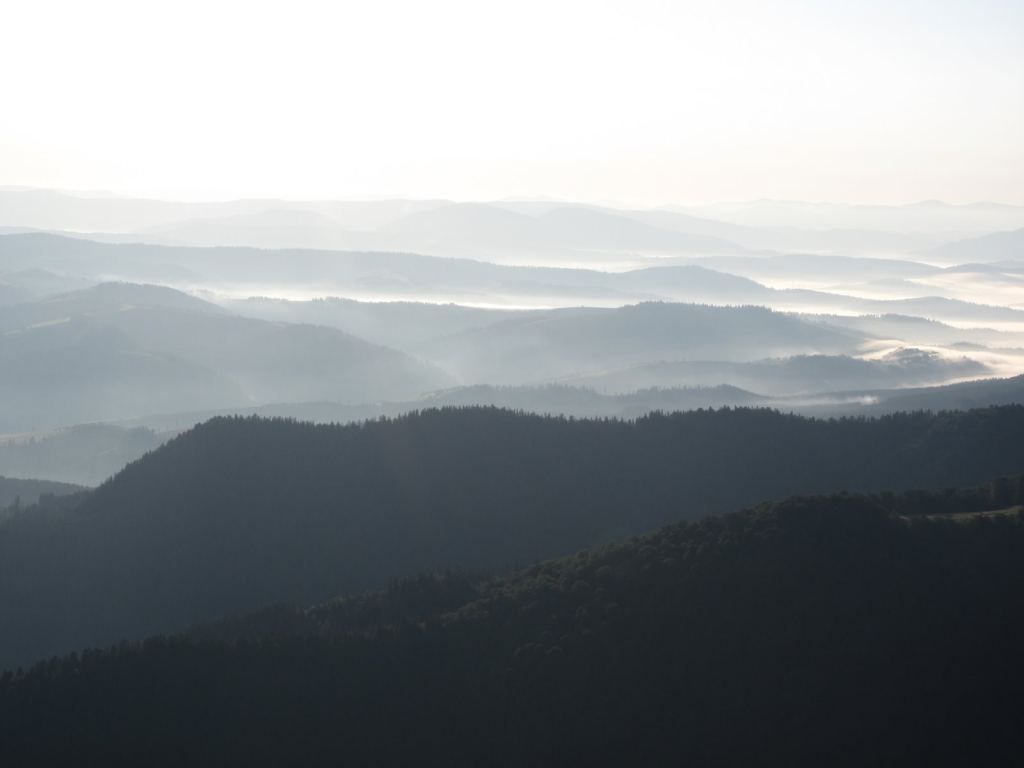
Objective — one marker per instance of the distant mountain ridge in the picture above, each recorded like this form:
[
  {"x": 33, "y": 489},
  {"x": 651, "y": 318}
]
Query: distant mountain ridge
[
  {"x": 759, "y": 225},
  {"x": 114, "y": 351},
  {"x": 800, "y": 374},
  {"x": 390, "y": 276},
  {"x": 529, "y": 349},
  {"x": 995, "y": 247}
]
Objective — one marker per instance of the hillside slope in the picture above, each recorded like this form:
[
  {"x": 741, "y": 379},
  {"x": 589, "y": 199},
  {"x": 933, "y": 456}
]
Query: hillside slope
[
  {"x": 571, "y": 342},
  {"x": 239, "y": 513},
  {"x": 119, "y": 351},
  {"x": 832, "y": 630}
]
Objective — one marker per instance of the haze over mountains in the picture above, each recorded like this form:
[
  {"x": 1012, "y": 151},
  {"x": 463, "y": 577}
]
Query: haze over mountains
[
  {"x": 516, "y": 223},
  {"x": 210, "y": 410},
  {"x": 16, "y": 493},
  {"x": 795, "y": 375},
  {"x": 117, "y": 351},
  {"x": 566, "y": 384},
  {"x": 91, "y": 453},
  {"x": 117, "y": 311},
  {"x": 121, "y": 351}
]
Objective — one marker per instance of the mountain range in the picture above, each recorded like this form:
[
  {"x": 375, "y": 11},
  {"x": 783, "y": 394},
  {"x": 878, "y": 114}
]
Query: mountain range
[{"x": 118, "y": 350}]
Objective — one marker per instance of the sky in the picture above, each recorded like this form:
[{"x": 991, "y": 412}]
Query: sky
[{"x": 635, "y": 103}]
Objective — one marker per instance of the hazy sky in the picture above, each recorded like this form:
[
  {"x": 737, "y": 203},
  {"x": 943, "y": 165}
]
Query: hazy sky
[{"x": 638, "y": 102}]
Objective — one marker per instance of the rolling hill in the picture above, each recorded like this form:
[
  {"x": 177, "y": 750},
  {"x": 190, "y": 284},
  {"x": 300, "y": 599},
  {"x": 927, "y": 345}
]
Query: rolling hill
[
  {"x": 89, "y": 454},
  {"x": 362, "y": 274},
  {"x": 800, "y": 374},
  {"x": 121, "y": 351},
  {"x": 389, "y": 276},
  {"x": 961, "y": 396},
  {"x": 998, "y": 246},
  {"x": 570, "y": 342},
  {"x": 837, "y": 629},
  {"x": 237, "y": 514}
]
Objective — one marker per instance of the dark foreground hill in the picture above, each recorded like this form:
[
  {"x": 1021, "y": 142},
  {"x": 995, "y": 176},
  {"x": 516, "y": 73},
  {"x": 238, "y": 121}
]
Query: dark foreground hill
[
  {"x": 843, "y": 630},
  {"x": 240, "y": 513}
]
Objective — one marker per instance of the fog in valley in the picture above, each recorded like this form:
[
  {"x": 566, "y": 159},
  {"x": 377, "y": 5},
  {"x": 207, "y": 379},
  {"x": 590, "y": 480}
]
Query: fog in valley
[
  {"x": 123, "y": 314},
  {"x": 474, "y": 383}
]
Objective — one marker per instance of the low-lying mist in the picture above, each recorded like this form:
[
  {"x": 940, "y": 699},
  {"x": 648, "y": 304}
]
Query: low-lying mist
[{"x": 350, "y": 311}]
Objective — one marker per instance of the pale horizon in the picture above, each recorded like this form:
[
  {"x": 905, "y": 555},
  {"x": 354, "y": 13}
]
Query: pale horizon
[
  {"x": 126, "y": 195},
  {"x": 476, "y": 382},
  {"x": 645, "y": 105}
]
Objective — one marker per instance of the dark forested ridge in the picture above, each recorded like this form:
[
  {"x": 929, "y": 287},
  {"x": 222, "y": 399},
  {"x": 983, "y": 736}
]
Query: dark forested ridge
[
  {"x": 91, "y": 453},
  {"x": 240, "y": 513},
  {"x": 843, "y": 630}
]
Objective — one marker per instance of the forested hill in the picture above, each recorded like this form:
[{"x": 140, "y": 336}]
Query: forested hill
[
  {"x": 836, "y": 630},
  {"x": 21, "y": 492},
  {"x": 240, "y": 513}
]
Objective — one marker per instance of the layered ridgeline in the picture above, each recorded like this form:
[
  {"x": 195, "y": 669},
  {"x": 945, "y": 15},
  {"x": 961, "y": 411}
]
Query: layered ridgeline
[
  {"x": 138, "y": 353},
  {"x": 121, "y": 351},
  {"x": 91, "y": 453},
  {"x": 504, "y": 226},
  {"x": 831, "y": 283},
  {"x": 534, "y": 348},
  {"x": 240, "y": 513},
  {"x": 834, "y": 630},
  {"x": 117, "y": 350},
  {"x": 797, "y": 375},
  {"x": 993, "y": 248}
]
